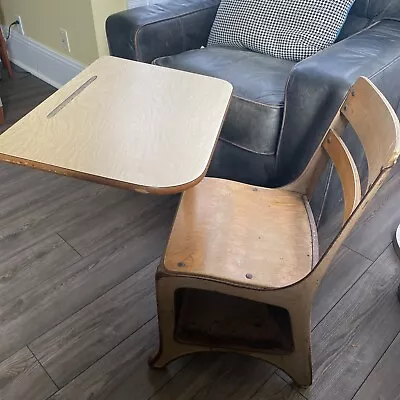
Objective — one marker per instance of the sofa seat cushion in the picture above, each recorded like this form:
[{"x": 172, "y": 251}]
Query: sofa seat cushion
[{"x": 255, "y": 115}]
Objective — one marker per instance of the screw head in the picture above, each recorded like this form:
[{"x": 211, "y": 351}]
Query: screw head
[
  {"x": 181, "y": 264},
  {"x": 249, "y": 276}
]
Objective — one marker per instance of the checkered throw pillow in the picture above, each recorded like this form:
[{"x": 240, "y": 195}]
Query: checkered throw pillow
[{"x": 290, "y": 29}]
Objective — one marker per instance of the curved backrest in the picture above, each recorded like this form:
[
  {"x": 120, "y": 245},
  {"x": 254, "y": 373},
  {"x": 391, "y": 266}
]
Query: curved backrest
[
  {"x": 378, "y": 129},
  {"x": 376, "y": 125}
]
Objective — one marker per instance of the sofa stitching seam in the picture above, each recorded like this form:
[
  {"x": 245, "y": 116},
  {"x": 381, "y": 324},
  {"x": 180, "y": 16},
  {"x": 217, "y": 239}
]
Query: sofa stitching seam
[
  {"x": 258, "y": 103},
  {"x": 245, "y": 148},
  {"x": 136, "y": 40},
  {"x": 384, "y": 67}
]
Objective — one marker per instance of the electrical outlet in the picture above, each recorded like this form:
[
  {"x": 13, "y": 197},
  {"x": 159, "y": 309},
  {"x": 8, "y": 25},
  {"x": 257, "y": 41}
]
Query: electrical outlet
[
  {"x": 19, "y": 27},
  {"x": 64, "y": 40}
]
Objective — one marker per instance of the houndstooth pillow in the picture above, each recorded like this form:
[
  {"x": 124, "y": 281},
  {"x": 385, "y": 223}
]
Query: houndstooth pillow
[{"x": 290, "y": 29}]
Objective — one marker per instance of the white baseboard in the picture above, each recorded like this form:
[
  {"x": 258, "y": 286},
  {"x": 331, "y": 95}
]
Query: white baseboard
[{"x": 39, "y": 60}]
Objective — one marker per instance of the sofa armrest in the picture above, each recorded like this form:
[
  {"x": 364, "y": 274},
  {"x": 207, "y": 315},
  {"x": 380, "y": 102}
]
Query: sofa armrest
[
  {"x": 169, "y": 28},
  {"x": 317, "y": 86}
]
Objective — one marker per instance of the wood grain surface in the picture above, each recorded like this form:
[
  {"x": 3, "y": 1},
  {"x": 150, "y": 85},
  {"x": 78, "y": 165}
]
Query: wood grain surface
[
  {"x": 230, "y": 230},
  {"x": 33, "y": 266},
  {"x": 374, "y": 120},
  {"x": 379, "y": 384},
  {"x": 350, "y": 340},
  {"x": 78, "y": 342},
  {"x": 347, "y": 267},
  {"x": 94, "y": 232},
  {"x": 127, "y": 361},
  {"x": 277, "y": 389},
  {"x": 38, "y": 310},
  {"x": 377, "y": 226},
  {"x": 22, "y": 377},
  {"x": 347, "y": 170},
  {"x": 218, "y": 376},
  {"x": 21, "y": 94},
  {"x": 135, "y": 125}
]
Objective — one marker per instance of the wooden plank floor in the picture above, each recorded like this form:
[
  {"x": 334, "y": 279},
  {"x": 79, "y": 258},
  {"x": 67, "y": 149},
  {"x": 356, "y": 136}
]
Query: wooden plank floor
[{"x": 77, "y": 301}]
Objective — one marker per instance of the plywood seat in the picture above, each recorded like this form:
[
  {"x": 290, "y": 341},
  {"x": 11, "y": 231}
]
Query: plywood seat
[{"x": 240, "y": 233}]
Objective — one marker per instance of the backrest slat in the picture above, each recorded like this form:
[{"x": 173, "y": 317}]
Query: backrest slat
[
  {"x": 375, "y": 123},
  {"x": 378, "y": 129},
  {"x": 346, "y": 169}
]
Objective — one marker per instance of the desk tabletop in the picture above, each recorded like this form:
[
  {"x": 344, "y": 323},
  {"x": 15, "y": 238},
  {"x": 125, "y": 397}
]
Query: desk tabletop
[{"x": 125, "y": 124}]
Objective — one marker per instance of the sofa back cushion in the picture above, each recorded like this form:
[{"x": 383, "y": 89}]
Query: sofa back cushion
[
  {"x": 366, "y": 12},
  {"x": 288, "y": 29}
]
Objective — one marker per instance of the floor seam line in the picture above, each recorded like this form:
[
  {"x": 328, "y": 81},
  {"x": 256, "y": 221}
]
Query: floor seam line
[
  {"x": 294, "y": 387},
  {"x": 69, "y": 245},
  {"x": 380, "y": 358},
  {"x": 389, "y": 244},
  {"x": 360, "y": 254},
  {"x": 44, "y": 369},
  {"x": 98, "y": 297},
  {"x": 47, "y": 277},
  {"x": 347, "y": 291},
  {"x": 108, "y": 352},
  {"x": 133, "y": 222},
  {"x": 173, "y": 377},
  {"x": 269, "y": 378}
]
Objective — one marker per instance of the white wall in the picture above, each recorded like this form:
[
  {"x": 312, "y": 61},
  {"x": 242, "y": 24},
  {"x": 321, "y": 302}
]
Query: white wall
[{"x": 139, "y": 3}]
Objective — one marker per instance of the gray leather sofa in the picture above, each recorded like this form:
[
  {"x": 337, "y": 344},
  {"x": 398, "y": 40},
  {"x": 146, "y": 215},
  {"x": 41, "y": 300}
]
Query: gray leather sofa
[{"x": 280, "y": 108}]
